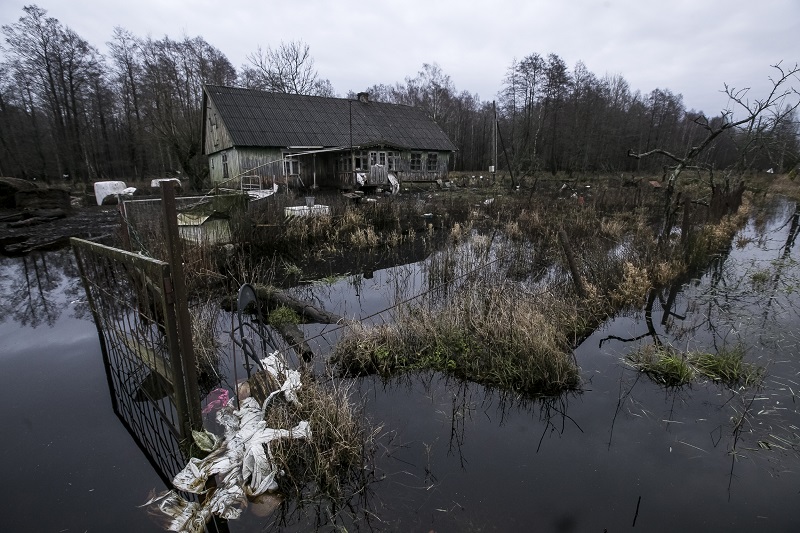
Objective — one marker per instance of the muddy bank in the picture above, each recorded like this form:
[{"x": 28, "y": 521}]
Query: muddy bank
[{"x": 23, "y": 231}]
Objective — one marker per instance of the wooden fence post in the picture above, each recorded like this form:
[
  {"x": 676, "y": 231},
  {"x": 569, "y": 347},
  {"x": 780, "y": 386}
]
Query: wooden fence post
[
  {"x": 184, "y": 323},
  {"x": 573, "y": 264}
]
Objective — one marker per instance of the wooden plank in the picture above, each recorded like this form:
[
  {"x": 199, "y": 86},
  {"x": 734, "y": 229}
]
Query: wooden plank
[{"x": 151, "y": 359}]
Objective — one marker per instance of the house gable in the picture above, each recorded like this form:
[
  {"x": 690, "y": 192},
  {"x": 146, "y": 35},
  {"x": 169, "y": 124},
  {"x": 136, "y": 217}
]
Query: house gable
[{"x": 215, "y": 132}]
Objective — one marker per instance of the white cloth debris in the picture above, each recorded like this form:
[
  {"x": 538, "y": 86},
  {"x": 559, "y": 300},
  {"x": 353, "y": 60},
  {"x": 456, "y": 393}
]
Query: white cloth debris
[
  {"x": 242, "y": 459},
  {"x": 276, "y": 366}
]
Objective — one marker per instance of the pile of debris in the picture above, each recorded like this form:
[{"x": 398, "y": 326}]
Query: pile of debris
[{"x": 241, "y": 460}]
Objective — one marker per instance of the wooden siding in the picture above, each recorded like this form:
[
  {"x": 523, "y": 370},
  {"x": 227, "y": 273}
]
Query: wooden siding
[
  {"x": 265, "y": 163},
  {"x": 217, "y": 137},
  {"x": 406, "y": 174}
]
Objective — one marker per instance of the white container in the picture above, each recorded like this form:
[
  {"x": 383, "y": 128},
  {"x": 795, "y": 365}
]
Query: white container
[
  {"x": 306, "y": 211},
  {"x": 105, "y": 188},
  {"x": 158, "y": 181}
]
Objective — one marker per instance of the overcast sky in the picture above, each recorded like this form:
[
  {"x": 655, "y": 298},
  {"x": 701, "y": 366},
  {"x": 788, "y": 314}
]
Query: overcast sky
[{"x": 692, "y": 47}]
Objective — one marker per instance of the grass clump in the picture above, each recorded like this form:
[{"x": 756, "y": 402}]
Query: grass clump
[
  {"x": 632, "y": 290},
  {"x": 759, "y": 278},
  {"x": 727, "y": 367},
  {"x": 282, "y": 316},
  {"x": 669, "y": 367},
  {"x": 333, "y": 464},
  {"x": 662, "y": 364},
  {"x": 492, "y": 335}
]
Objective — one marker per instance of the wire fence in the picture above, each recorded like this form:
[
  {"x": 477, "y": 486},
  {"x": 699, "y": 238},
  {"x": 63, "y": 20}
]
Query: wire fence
[
  {"x": 144, "y": 222},
  {"x": 130, "y": 299}
]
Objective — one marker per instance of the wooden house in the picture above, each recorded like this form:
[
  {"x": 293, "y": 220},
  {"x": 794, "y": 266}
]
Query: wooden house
[{"x": 256, "y": 139}]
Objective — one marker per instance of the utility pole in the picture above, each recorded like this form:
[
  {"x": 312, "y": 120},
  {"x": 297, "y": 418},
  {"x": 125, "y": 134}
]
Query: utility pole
[
  {"x": 350, "y": 108},
  {"x": 494, "y": 159}
]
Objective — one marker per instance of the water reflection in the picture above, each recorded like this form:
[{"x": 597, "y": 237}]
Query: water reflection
[
  {"x": 59, "y": 429},
  {"x": 456, "y": 456},
  {"x": 460, "y": 456},
  {"x": 38, "y": 287},
  {"x": 748, "y": 298}
]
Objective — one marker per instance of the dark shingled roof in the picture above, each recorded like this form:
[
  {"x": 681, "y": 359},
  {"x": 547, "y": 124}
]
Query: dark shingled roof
[{"x": 260, "y": 118}]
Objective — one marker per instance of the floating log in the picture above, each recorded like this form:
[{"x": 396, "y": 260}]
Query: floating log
[
  {"x": 272, "y": 297},
  {"x": 295, "y": 338},
  {"x": 308, "y": 312}
]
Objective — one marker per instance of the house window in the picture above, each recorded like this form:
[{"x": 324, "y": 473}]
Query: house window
[
  {"x": 360, "y": 160},
  {"x": 214, "y": 129},
  {"x": 391, "y": 158},
  {"x": 291, "y": 167},
  {"x": 224, "y": 166},
  {"x": 373, "y": 158},
  {"x": 432, "y": 162},
  {"x": 382, "y": 158},
  {"x": 344, "y": 163},
  {"x": 416, "y": 162}
]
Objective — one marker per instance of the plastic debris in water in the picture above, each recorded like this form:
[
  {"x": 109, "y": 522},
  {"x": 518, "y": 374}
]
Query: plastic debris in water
[
  {"x": 219, "y": 398},
  {"x": 242, "y": 459},
  {"x": 205, "y": 440}
]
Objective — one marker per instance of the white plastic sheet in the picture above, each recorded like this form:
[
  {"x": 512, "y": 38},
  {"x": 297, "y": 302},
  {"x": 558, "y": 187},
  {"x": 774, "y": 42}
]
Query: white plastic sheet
[{"x": 242, "y": 459}]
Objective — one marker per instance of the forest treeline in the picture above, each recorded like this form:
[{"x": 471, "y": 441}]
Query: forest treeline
[{"x": 69, "y": 112}]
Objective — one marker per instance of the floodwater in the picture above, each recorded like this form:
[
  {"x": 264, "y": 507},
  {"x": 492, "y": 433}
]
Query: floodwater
[
  {"x": 625, "y": 453},
  {"x": 68, "y": 464}
]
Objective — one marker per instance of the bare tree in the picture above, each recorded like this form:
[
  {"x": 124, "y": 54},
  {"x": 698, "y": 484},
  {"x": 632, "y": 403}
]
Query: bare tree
[
  {"x": 126, "y": 78},
  {"x": 760, "y": 116},
  {"x": 61, "y": 75},
  {"x": 286, "y": 69},
  {"x": 173, "y": 74}
]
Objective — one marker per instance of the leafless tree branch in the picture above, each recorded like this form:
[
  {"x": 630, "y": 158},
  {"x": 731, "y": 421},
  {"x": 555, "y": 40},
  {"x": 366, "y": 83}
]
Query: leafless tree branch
[{"x": 754, "y": 123}]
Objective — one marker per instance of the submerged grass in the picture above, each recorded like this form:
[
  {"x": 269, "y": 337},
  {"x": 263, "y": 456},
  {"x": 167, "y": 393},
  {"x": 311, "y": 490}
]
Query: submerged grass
[
  {"x": 665, "y": 365},
  {"x": 662, "y": 364}
]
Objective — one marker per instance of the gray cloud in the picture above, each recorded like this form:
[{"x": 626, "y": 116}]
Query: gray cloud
[{"x": 689, "y": 47}]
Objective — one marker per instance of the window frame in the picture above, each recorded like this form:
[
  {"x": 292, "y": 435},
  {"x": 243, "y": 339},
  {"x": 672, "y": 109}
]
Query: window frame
[
  {"x": 415, "y": 162},
  {"x": 290, "y": 164},
  {"x": 432, "y": 162}
]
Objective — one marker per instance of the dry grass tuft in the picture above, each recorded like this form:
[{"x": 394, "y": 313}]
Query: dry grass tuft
[
  {"x": 334, "y": 463},
  {"x": 493, "y": 335},
  {"x": 664, "y": 272},
  {"x": 205, "y": 328},
  {"x": 632, "y": 290}
]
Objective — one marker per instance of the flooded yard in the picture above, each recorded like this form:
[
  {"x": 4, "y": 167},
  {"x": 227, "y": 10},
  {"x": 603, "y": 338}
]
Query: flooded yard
[
  {"x": 621, "y": 452},
  {"x": 69, "y": 464}
]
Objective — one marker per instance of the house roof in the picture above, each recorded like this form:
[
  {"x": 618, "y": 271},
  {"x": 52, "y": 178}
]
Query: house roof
[{"x": 261, "y": 118}]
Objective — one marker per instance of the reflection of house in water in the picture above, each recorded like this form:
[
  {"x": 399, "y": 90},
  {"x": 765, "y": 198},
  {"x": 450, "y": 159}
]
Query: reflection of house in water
[{"x": 316, "y": 141}]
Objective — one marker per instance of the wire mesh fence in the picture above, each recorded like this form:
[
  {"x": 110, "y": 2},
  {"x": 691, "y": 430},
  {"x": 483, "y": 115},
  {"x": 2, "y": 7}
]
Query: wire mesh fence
[
  {"x": 130, "y": 300},
  {"x": 144, "y": 222}
]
